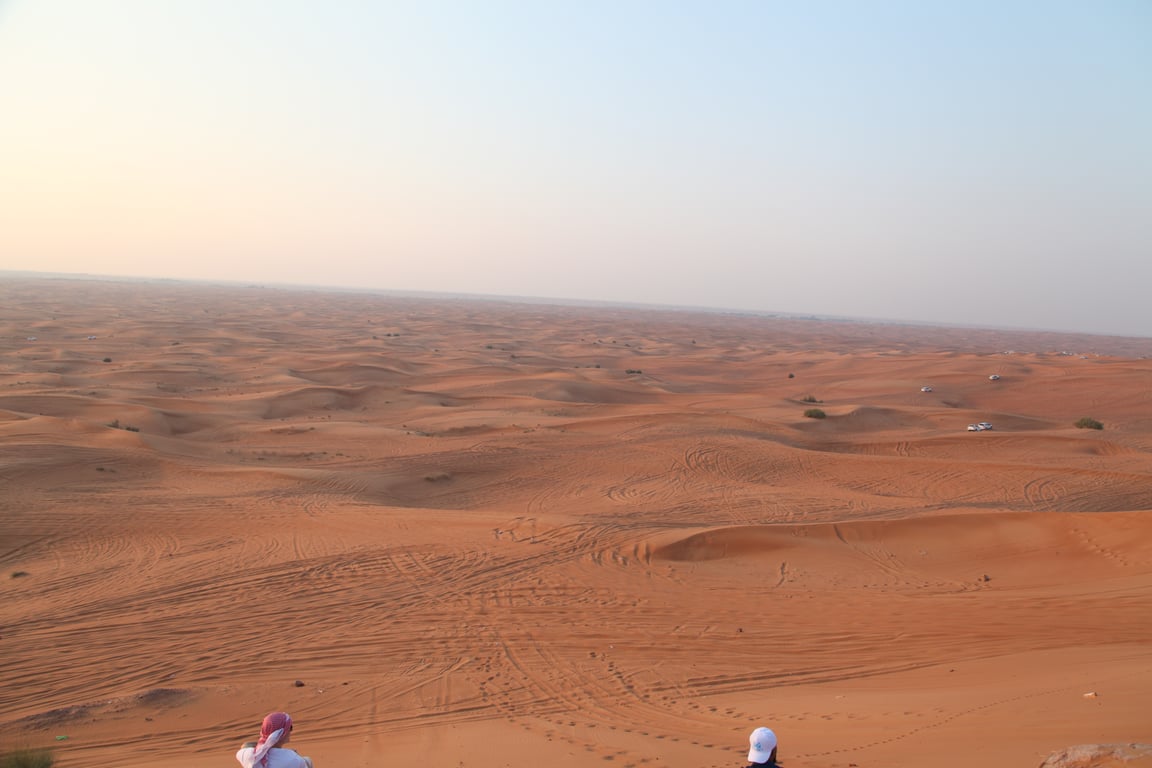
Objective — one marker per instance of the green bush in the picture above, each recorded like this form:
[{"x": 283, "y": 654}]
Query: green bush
[
  {"x": 815, "y": 413},
  {"x": 28, "y": 758},
  {"x": 1087, "y": 423}
]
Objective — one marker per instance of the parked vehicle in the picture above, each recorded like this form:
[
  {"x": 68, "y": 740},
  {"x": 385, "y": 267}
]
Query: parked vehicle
[{"x": 925, "y": 389}]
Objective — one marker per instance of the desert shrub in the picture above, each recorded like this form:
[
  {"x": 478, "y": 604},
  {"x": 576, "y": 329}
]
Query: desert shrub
[
  {"x": 1087, "y": 423},
  {"x": 815, "y": 413},
  {"x": 791, "y": 375},
  {"x": 633, "y": 370},
  {"x": 19, "y": 574},
  {"x": 107, "y": 359},
  {"x": 809, "y": 399},
  {"x": 28, "y": 758}
]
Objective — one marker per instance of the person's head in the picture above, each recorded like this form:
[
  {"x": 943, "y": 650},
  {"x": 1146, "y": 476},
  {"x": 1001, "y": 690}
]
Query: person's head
[
  {"x": 762, "y": 746},
  {"x": 276, "y": 721}
]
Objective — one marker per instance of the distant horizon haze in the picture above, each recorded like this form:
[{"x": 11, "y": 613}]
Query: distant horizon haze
[
  {"x": 983, "y": 164},
  {"x": 560, "y": 301}
]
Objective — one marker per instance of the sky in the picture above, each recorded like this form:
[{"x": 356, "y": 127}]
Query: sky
[{"x": 976, "y": 163}]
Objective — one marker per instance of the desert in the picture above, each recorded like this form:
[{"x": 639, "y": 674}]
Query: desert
[{"x": 490, "y": 533}]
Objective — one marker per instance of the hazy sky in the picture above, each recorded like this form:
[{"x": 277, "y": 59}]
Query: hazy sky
[{"x": 958, "y": 162}]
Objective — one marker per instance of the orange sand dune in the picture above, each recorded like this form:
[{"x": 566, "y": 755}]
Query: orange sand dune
[{"x": 495, "y": 534}]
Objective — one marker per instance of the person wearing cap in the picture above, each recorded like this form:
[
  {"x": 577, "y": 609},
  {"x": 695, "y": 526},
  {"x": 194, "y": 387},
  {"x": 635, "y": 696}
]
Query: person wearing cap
[
  {"x": 269, "y": 751},
  {"x": 762, "y": 748}
]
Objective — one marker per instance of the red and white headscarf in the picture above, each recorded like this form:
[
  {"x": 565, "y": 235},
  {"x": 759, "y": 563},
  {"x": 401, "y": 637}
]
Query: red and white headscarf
[{"x": 275, "y": 726}]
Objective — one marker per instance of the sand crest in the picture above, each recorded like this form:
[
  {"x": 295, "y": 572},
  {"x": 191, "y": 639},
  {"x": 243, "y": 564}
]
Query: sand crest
[{"x": 495, "y": 533}]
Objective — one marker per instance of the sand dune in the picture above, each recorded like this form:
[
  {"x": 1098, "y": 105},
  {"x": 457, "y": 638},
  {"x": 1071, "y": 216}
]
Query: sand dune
[{"x": 496, "y": 534}]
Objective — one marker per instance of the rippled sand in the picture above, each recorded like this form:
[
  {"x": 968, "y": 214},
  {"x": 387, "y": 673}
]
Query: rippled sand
[{"x": 491, "y": 534}]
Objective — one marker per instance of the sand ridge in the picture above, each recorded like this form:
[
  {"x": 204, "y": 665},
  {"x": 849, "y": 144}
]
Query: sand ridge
[{"x": 491, "y": 533}]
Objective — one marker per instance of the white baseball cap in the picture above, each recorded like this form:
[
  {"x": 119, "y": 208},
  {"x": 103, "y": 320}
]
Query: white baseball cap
[{"x": 762, "y": 742}]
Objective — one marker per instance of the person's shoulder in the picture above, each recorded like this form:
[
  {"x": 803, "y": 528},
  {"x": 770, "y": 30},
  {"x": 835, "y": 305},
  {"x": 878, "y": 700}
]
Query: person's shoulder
[
  {"x": 298, "y": 760},
  {"x": 287, "y": 757}
]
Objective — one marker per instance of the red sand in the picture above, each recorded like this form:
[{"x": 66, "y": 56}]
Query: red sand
[{"x": 479, "y": 540}]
